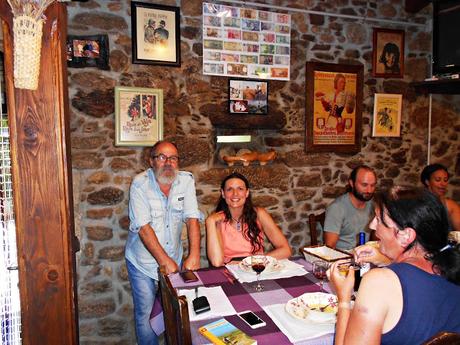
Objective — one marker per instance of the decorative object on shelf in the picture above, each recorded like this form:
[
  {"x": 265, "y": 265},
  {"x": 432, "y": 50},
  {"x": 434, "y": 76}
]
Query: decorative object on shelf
[
  {"x": 388, "y": 53},
  {"x": 156, "y": 34},
  {"x": 244, "y": 42},
  {"x": 386, "y": 121},
  {"x": 246, "y": 157},
  {"x": 27, "y": 42},
  {"x": 248, "y": 96},
  {"x": 138, "y": 116},
  {"x": 88, "y": 51},
  {"x": 334, "y": 101}
]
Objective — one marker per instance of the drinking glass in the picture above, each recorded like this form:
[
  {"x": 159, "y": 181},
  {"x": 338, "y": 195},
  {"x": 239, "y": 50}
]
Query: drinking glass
[
  {"x": 258, "y": 263},
  {"x": 319, "y": 270}
]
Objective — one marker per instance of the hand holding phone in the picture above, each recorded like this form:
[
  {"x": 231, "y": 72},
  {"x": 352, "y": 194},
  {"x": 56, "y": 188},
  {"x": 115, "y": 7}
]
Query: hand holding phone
[{"x": 252, "y": 319}]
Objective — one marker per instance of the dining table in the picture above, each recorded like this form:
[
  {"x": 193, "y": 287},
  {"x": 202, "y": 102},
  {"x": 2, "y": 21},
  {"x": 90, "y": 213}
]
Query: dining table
[{"x": 268, "y": 304}]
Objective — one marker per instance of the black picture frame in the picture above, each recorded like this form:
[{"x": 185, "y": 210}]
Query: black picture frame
[
  {"x": 88, "y": 51},
  {"x": 155, "y": 34},
  {"x": 247, "y": 96}
]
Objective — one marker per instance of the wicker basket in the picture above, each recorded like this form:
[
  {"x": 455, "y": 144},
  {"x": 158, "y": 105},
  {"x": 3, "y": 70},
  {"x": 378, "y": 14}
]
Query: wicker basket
[{"x": 27, "y": 50}]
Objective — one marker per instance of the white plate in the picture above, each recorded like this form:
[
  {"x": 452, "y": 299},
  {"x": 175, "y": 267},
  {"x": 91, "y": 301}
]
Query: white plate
[
  {"x": 272, "y": 265},
  {"x": 306, "y": 307}
]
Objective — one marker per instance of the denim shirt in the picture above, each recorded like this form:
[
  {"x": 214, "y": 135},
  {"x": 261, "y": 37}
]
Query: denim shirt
[{"x": 166, "y": 215}]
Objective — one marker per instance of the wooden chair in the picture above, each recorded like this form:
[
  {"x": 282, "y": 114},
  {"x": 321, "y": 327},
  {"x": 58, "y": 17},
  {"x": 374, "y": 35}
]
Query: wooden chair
[
  {"x": 175, "y": 313},
  {"x": 444, "y": 338},
  {"x": 313, "y": 219}
]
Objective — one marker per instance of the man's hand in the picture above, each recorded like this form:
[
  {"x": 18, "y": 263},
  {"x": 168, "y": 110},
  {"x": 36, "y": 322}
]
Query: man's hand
[
  {"x": 170, "y": 266},
  {"x": 192, "y": 262}
]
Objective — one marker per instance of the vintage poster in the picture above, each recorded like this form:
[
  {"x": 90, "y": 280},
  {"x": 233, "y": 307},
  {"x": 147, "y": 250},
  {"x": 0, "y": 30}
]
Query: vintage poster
[
  {"x": 246, "y": 43},
  {"x": 139, "y": 116},
  {"x": 387, "y": 115},
  {"x": 334, "y": 108},
  {"x": 156, "y": 36}
]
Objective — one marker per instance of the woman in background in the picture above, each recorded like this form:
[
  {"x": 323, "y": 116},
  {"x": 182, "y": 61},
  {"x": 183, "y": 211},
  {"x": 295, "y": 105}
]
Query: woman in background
[
  {"x": 418, "y": 294},
  {"x": 237, "y": 228},
  {"x": 436, "y": 178}
]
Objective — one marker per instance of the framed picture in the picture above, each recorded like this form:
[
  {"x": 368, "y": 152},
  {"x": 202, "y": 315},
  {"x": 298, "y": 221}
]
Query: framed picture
[
  {"x": 88, "y": 51},
  {"x": 155, "y": 34},
  {"x": 333, "y": 108},
  {"x": 386, "y": 121},
  {"x": 138, "y": 116},
  {"x": 248, "y": 96},
  {"x": 388, "y": 53}
]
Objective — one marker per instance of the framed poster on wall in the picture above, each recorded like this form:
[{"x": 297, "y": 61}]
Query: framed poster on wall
[
  {"x": 333, "y": 108},
  {"x": 138, "y": 116},
  {"x": 388, "y": 53},
  {"x": 386, "y": 121}
]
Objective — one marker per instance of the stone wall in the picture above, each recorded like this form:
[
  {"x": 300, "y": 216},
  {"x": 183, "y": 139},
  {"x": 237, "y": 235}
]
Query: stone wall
[{"x": 291, "y": 187}]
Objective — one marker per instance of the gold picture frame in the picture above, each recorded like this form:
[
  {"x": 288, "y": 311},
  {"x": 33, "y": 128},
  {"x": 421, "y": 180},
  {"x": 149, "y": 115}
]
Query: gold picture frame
[
  {"x": 386, "y": 121},
  {"x": 138, "y": 116}
]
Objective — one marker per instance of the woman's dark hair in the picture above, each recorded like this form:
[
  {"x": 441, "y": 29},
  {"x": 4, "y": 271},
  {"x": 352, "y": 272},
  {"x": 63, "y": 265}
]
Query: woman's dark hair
[
  {"x": 248, "y": 217},
  {"x": 419, "y": 209},
  {"x": 430, "y": 170},
  {"x": 390, "y": 48}
]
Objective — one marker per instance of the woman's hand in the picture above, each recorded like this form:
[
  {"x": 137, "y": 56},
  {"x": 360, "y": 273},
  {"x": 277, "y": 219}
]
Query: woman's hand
[
  {"x": 215, "y": 218},
  {"x": 343, "y": 285},
  {"x": 370, "y": 253}
]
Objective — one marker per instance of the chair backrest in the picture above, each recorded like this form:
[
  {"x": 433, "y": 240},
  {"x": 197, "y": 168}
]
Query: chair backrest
[
  {"x": 313, "y": 219},
  {"x": 444, "y": 338},
  {"x": 175, "y": 313}
]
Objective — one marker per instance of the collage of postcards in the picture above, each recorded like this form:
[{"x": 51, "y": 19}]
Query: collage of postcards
[{"x": 246, "y": 43}]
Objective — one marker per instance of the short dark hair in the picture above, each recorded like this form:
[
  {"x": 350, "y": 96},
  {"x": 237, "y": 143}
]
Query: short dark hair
[
  {"x": 430, "y": 170},
  {"x": 154, "y": 148},
  {"x": 421, "y": 210},
  {"x": 355, "y": 171}
]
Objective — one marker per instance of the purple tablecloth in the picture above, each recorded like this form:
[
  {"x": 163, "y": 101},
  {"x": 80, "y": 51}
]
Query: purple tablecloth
[{"x": 243, "y": 297}]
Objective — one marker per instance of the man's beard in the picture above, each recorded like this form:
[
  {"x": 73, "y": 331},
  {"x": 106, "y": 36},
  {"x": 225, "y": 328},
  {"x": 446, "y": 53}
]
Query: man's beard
[
  {"x": 361, "y": 196},
  {"x": 166, "y": 174}
]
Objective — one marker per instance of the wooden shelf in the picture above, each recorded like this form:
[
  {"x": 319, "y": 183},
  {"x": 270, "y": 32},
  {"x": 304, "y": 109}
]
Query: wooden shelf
[{"x": 445, "y": 86}]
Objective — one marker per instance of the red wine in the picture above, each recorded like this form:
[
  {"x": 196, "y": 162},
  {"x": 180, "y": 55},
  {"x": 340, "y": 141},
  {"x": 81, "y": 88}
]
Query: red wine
[
  {"x": 258, "y": 268},
  {"x": 320, "y": 274}
]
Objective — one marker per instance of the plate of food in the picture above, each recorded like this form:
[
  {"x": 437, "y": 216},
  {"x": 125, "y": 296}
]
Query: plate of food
[
  {"x": 316, "y": 307},
  {"x": 271, "y": 265}
]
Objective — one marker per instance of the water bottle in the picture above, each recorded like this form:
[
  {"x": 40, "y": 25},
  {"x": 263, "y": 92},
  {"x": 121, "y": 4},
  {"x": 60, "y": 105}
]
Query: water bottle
[{"x": 364, "y": 267}]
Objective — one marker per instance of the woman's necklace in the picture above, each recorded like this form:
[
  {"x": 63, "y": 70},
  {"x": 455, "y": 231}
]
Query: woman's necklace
[{"x": 238, "y": 223}]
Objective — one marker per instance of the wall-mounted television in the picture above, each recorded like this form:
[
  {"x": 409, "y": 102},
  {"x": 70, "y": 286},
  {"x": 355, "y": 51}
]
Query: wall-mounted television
[{"x": 446, "y": 37}]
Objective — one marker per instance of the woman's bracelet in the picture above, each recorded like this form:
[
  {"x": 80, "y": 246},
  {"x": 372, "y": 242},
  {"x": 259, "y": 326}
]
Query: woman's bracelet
[{"x": 344, "y": 305}]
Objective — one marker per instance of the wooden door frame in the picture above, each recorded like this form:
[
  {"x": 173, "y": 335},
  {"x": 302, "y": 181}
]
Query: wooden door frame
[{"x": 42, "y": 187}]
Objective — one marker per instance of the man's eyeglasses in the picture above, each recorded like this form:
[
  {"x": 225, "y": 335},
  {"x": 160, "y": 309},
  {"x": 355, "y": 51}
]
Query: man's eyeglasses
[{"x": 163, "y": 158}]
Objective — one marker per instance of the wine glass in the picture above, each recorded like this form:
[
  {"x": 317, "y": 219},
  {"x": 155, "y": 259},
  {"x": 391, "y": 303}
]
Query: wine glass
[
  {"x": 319, "y": 270},
  {"x": 258, "y": 263}
]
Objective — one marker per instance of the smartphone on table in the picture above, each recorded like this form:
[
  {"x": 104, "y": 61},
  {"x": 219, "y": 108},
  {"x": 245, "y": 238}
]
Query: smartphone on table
[
  {"x": 252, "y": 319},
  {"x": 188, "y": 276}
]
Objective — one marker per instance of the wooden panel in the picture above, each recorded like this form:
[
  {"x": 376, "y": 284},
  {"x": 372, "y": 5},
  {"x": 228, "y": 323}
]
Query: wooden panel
[{"x": 42, "y": 188}]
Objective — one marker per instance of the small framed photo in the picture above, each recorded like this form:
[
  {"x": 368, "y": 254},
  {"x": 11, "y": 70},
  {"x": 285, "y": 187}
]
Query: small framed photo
[
  {"x": 248, "y": 96},
  {"x": 388, "y": 53},
  {"x": 88, "y": 51},
  {"x": 155, "y": 34},
  {"x": 138, "y": 116},
  {"x": 386, "y": 121}
]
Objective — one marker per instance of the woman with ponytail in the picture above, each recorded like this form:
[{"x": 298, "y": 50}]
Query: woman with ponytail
[{"x": 415, "y": 296}]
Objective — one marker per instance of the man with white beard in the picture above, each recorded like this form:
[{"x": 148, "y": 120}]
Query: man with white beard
[
  {"x": 351, "y": 213},
  {"x": 162, "y": 198}
]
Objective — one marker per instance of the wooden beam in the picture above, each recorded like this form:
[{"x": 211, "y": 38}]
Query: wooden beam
[{"x": 42, "y": 188}]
